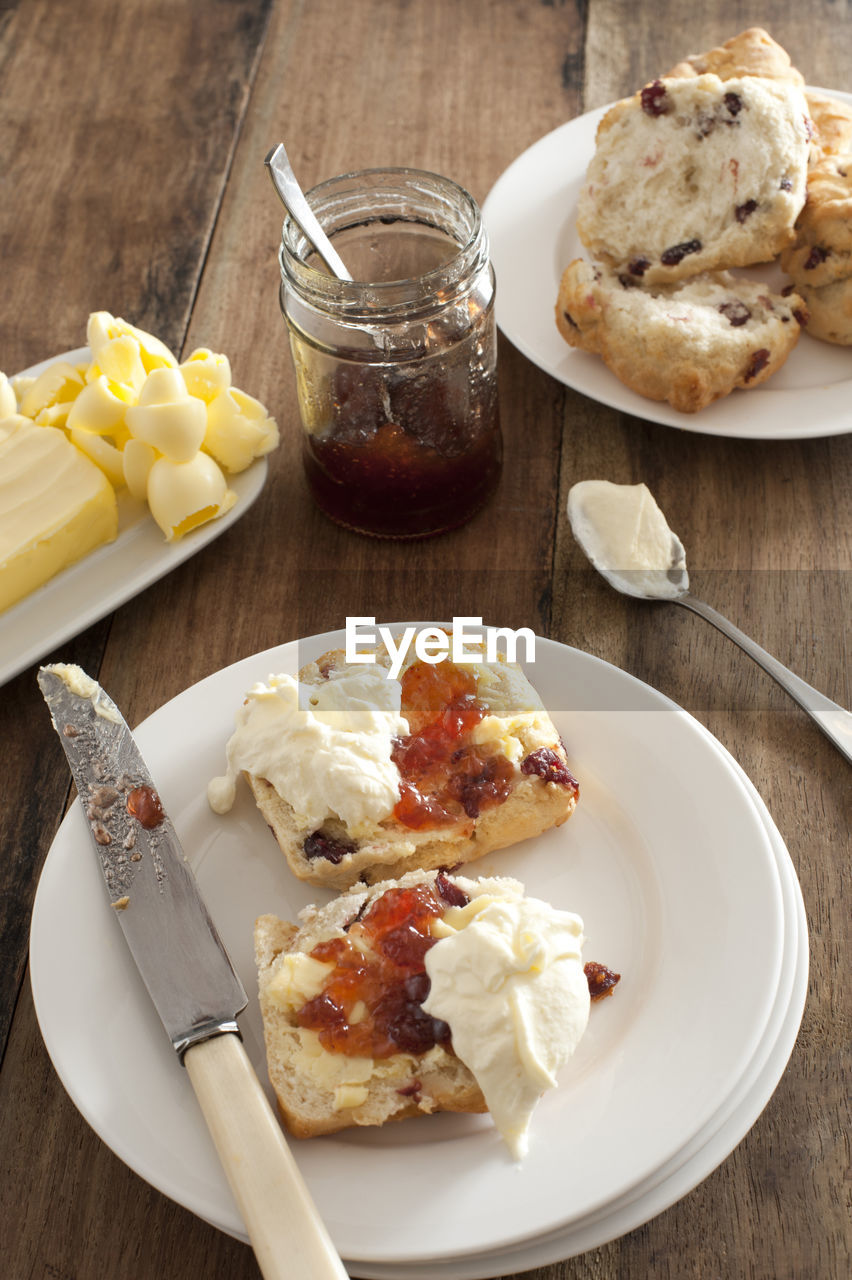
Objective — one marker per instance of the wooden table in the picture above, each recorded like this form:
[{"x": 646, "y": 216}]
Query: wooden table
[{"x": 132, "y": 139}]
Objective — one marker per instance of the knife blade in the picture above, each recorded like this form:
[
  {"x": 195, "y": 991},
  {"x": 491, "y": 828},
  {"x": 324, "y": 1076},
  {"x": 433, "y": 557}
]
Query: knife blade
[
  {"x": 185, "y": 968},
  {"x": 148, "y": 879}
]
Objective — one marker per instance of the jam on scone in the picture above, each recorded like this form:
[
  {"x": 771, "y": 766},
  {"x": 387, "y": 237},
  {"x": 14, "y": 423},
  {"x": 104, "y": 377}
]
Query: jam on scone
[
  {"x": 362, "y": 777},
  {"x": 428, "y": 993}
]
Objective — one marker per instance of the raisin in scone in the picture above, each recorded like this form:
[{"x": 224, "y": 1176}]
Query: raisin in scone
[
  {"x": 695, "y": 175},
  {"x": 347, "y": 997},
  {"x": 822, "y": 253},
  {"x": 751, "y": 53},
  {"x": 369, "y": 777},
  {"x": 688, "y": 343}
]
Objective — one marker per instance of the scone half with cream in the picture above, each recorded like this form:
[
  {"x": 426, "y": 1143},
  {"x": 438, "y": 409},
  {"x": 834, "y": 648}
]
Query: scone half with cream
[
  {"x": 362, "y": 777},
  {"x": 430, "y": 993}
]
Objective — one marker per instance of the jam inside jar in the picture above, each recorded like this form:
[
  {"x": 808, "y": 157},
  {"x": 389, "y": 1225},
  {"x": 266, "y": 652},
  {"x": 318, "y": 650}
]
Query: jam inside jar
[{"x": 396, "y": 369}]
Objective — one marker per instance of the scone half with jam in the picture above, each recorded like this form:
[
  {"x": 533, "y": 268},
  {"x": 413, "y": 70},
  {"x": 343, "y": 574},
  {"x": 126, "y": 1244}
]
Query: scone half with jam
[
  {"x": 362, "y": 777},
  {"x": 424, "y": 994}
]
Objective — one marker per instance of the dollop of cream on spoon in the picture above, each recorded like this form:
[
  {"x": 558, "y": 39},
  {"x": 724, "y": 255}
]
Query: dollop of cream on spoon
[{"x": 627, "y": 539}]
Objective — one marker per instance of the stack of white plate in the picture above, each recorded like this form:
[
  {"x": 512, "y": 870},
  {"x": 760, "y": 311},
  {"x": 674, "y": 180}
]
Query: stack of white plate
[{"x": 685, "y": 887}]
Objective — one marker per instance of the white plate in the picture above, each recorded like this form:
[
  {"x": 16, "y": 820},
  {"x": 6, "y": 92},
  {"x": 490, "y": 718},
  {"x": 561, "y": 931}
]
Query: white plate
[
  {"x": 530, "y": 215},
  {"x": 700, "y": 1156},
  {"x": 109, "y": 575},
  {"x": 667, "y": 860}
]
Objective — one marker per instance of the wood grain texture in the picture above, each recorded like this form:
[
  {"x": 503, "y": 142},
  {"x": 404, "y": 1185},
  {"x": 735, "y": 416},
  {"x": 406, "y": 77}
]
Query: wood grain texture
[
  {"x": 116, "y": 136},
  {"x": 132, "y": 140},
  {"x": 111, "y": 184},
  {"x": 767, "y": 534}
]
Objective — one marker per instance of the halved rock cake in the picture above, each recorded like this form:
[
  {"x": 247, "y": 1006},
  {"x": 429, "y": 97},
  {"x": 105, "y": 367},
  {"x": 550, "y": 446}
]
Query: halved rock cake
[
  {"x": 430, "y": 993},
  {"x": 362, "y": 777}
]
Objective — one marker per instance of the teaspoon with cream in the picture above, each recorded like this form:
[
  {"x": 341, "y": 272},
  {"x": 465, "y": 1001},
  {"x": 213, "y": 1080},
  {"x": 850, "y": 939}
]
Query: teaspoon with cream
[{"x": 625, "y": 536}]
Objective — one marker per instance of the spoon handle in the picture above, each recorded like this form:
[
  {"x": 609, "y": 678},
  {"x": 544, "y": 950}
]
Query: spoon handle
[
  {"x": 834, "y": 720},
  {"x": 296, "y": 204}
]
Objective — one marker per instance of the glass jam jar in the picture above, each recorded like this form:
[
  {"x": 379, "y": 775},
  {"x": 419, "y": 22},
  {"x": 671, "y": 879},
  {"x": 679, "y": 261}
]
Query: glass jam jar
[{"x": 396, "y": 370}]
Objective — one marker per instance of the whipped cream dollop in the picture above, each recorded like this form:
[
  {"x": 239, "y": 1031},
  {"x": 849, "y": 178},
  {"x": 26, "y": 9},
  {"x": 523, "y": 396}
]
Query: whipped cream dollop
[
  {"x": 623, "y": 531},
  {"x": 507, "y": 975},
  {"x": 316, "y": 741}
]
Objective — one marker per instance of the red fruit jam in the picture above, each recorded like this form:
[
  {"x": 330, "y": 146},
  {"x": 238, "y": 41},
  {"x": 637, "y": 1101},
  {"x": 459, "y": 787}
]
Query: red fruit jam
[
  {"x": 427, "y": 467},
  {"x": 602, "y": 981},
  {"x": 381, "y": 989},
  {"x": 144, "y": 805},
  {"x": 445, "y": 777},
  {"x": 396, "y": 369}
]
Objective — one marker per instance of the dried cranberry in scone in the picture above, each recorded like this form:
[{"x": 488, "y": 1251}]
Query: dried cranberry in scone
[
  {"x": 655, "y": 100},
  {"x": 822, "y": 253},
  {"x": 735, "y": 312}
]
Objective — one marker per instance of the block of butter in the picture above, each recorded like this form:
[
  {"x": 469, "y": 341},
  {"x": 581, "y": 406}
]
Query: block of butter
[{"x": 55, "y": 506}]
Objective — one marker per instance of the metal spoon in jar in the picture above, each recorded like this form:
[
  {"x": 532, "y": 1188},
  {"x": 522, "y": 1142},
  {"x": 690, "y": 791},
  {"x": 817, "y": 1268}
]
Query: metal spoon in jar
[
  {"x": 293, "y": 198},
  {"x": 621, "y": 525}
]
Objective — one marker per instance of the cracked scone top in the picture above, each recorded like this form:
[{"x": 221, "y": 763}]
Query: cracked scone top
[
  {"x": 691, "y": 175},
  {"x": 751, "y": 53}
]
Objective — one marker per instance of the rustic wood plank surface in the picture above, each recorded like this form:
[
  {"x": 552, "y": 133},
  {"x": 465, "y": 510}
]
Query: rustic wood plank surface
[{"x": 131, "y": 146}]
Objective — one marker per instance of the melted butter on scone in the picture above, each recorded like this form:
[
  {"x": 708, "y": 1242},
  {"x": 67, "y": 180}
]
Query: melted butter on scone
[
  {"x": 515, "y": 735},
  {"x": 297, "y": 979},
  {"x": 516, "y": 721},
  {"x": 347, "y": 1076},
  {"x": 504, "y": 689}
]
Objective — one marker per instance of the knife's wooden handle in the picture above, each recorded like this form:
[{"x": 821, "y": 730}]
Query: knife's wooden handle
[{"x": 287, "y": 1234}]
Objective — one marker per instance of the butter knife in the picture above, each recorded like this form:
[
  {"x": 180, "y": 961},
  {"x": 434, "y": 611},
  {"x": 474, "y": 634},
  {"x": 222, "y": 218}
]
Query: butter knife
[{"x": 189, "y": 977}]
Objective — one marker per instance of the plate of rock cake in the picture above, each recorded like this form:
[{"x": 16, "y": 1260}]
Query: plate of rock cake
[{"x": 672, "y": 253}]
